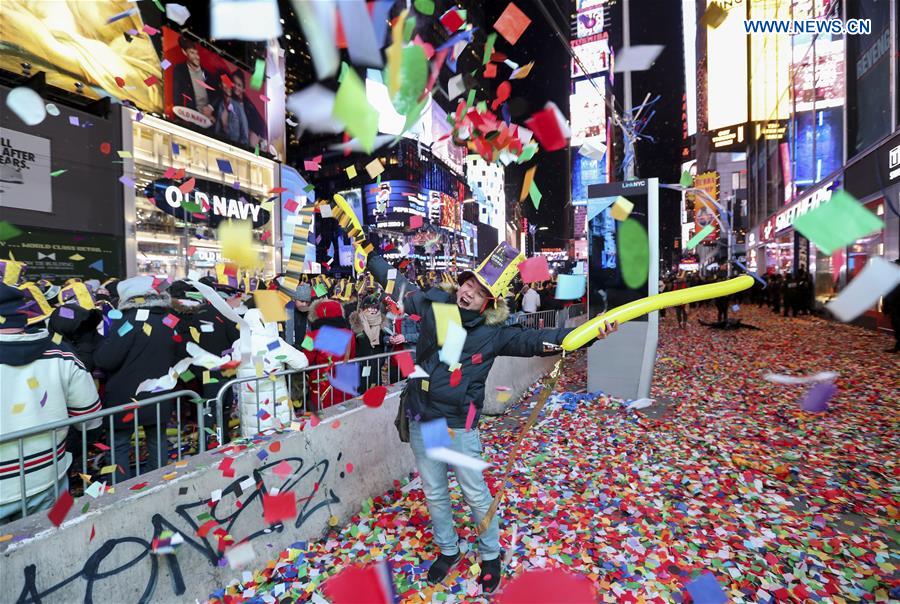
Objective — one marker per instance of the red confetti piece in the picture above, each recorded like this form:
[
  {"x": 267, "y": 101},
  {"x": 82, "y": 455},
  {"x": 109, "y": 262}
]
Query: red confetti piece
[
  {"x": 120, "y": 82},
  {"x": 336, "y": 423},
  {"x": 127, "y": 417},
  {"x": 476, "y": 358},
  {"x": 405, "y": 362},
  {"x": 59, "y": 510},
  {"x": 275, "y": 447},
  {"x": 455, "y": 378},
  {"x": 349, "y": 468},
  {"x": 279, "y": 507},
  {"x": 105, "y": 148},
  {"x": 374, "y": 396}
]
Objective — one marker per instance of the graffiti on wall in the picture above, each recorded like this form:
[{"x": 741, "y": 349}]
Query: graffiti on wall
[{"x": 239, "y": 512}]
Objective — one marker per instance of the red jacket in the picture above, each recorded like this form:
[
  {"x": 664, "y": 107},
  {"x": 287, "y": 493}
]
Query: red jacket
[{"x": 321, "y": 394}]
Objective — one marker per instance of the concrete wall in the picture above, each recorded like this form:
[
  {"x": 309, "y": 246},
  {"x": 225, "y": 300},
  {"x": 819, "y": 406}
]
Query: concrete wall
[
  {"x": 518, "y": 375},
  {"x": 49, "y": 564}
]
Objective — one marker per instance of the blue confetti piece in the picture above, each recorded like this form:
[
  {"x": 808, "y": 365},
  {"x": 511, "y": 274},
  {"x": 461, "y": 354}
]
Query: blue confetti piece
[
  {"x": 125, "y": 328},
  {"x": 225, "y": 166},
  {"x": 435, "y": 434}
]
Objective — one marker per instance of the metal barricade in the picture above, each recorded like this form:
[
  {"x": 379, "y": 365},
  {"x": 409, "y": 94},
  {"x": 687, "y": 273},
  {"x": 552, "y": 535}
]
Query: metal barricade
[
  {"x": 542, "y": 319},
  {"x": 375, "y": 370},
  {"x": 95, "y": 420}
]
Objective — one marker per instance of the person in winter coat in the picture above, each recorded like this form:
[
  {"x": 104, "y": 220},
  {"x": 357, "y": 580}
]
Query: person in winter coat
[
  {"x": 445, "y": 396},
  {"x": 139, "y": 346},
  {"x": 370, "y": 326},
  {"x": 78, "y": 328},
  {"x": 50, "y": 383},
  {"x": 265, "y": 403},
  {"x": 325, "y": 312}
]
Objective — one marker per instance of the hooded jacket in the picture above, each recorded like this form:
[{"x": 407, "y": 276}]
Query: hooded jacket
[
  {"x": 79, "y": 331},
  {"x": 129, "y": 356},
  {"x": 486, "y": 339},
  {"x": 214, "y": 334},
  {"x": 261, "y": 401},
  {"x": 40, "y": 382}
]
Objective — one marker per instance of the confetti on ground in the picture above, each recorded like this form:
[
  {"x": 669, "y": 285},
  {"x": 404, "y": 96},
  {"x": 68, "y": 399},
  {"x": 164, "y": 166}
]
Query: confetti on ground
[{"x": 723, "y": 483}]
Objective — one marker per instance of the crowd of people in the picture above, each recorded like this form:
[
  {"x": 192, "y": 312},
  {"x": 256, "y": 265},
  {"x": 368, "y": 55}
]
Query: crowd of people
[{"x": 73, "y": 348}]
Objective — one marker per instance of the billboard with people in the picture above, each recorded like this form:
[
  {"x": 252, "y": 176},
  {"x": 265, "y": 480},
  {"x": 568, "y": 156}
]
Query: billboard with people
[{"x": 206, "y": 92}]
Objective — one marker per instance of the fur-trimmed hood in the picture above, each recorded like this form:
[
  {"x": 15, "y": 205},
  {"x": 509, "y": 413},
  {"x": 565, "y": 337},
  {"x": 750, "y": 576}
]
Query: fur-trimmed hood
[
  {"x": 494, "y": 314},
  {"x": 162, "y": 300}
]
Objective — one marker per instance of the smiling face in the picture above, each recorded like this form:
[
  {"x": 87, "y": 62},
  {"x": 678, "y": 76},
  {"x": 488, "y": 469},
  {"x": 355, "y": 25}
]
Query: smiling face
[{"x": 471, "y": 295}]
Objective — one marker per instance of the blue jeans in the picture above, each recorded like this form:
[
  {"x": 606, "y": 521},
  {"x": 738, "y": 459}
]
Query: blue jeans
[
  {"x": 436, "y": 484},
  {"x": 124, "y": 446},
  {"x": 33, "y": 504}
]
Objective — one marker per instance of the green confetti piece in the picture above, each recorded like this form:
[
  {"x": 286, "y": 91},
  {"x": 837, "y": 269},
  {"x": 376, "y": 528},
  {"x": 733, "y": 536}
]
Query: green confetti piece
[
  {"x": 426, "y": 7},
  {"x": 634, "y": 253},
  {"x": 686, "y": 179},
  {"x": 259, "y": 74},
  {"x": 320, "y": 289},
  {"x": 837, "y": 223},
  {"x": 187, "y": 376},
  {"x": 352, "y": 108},
  {"x": 700, "y": 236},
  {"x": 159, "y": 6},
  {"x": 481, "y": 106},
  {"x": 489, "y": 47},
  {"x": 58, "y": 172},
  {"x": 86, "y": 507},
  {"x": 409, "y": 26},
  {"x": 413, "y": 79},
  {"x": 308, "y": 188},
  {"x": 535, "y": 195},
  {"x": 470, "y": 99},
  {"x": 528, "y": 152}
]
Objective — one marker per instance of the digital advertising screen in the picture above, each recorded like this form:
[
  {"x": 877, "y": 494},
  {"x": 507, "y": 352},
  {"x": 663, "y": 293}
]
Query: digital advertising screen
[
  {"x": 391, "y": 203},
  {"x": 589, "y": 20},
  {"x": 587, "y": 108},
  {"x": 451, "y": 212},
  {"x": 81, "y": 51},
  {"x": 818, "y": 144},
  {"x": 205, "y": 92},
  {"x": 606, "y": 286},
  {"x": 585, "y": 171},
  {"x": 593, "y": 52},
  {"x": 869, "y": 76},
  {"x": 818, "y": 73},
  {"x": 726, "y": 71}
]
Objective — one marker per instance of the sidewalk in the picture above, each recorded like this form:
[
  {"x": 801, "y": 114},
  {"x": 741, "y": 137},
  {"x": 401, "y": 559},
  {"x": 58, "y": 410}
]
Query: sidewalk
[{"x": 728, "y": 477}]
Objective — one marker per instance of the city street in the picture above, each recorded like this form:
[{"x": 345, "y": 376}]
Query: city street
[{"x": 732, "y": 479}]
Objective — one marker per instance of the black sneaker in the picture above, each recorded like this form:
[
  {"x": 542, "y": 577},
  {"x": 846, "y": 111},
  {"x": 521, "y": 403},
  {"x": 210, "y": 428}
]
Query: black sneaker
[
  {"x": 441, "y": 567},
  {"x": 490, "y": 575}
]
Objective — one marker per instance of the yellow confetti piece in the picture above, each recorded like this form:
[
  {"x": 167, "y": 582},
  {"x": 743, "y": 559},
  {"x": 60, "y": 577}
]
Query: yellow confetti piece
[
  {"x": 33, "y": 383},
  {"x": 333, "y": 521},
  {"x": 4, "y": 538},
  {"x": 502, "y": 397},
  {"x": 181, "y": 464},
  {"x": 444, "y": 314},
  {"x": 475, "y": 569},
  {"x": 18, "y": 408},
  {"x": 76, "y": 257},
  {"x": 351, "y": 171},
  {"x": 170, "y": 475},
  {"x": 86, "y": 478},
  {"x": 147, "y": 328},
  {"x": 374, "y": 168},
  {"x": 57, "y": 338},
  {"x": 124, "y": 154},
  {"x": 424, "y": 385},
  {"x": 108, "y": 469},
  {"x": 195, "y": 334}
]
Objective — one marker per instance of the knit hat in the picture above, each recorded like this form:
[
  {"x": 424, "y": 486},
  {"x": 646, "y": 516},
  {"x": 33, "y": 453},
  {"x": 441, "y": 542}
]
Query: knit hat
[
  {"x": 11, "y": 300},
  {"x": 135, "y": 287},
  {"x": 11, "y": 271},
  {"x": 370, "y": 301},
  {"x": 78, "y": 293}
]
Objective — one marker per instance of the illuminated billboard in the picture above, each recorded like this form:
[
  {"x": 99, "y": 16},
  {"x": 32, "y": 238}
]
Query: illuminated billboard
[
  {"x": 726, "y": 70},
  {"x": 689, "y": 37},
  {"x": 593, "y": 52},
  {"x": 585, "y": 171},
  {"x": 208, "y": 93},
  {"x": 88, "y": 48},
  {"x": 391, "y": 203},
  {"x": 818, "y": 73},
  {"x": 770, "y": 66},
  {"x": 587, "y": 109},
  {"x": 589, "y": 21}
]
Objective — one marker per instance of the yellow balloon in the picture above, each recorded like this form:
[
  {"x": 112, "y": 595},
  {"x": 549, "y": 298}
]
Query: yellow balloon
[{"x": 586, "y": 332}]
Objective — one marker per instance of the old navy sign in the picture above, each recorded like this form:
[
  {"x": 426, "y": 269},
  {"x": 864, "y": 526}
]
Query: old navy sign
[
  {"x": 208, "y": 201},
  {"x": 784, "y": 219}
]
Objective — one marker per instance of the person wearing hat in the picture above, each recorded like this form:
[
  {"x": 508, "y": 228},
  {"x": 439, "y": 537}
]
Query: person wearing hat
[
  {"x": 478, "y": 297},
  {"x": 41, "y": 382},
  {"x": 140, "y": 344},
  {"x": 369, "y": 325},
  {"x": 325, "y": 312}
]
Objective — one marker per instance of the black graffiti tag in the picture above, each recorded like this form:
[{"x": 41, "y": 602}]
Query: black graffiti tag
[{"x": 316, "y": 497}]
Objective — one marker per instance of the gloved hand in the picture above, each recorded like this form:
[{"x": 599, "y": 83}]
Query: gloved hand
[{"x": 348, "y": 221}]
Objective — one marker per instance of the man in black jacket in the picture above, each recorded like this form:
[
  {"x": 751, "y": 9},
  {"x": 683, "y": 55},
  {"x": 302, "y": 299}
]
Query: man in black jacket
[{"x": 450, "y": 392}]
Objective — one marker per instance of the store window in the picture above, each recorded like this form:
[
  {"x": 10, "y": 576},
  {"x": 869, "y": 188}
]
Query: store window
[
  {"x": 862, "y": 249},
  {"x": 176, "y": 224}
]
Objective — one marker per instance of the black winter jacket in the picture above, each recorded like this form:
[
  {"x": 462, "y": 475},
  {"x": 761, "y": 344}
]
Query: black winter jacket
[
  {"x": 131, "y": 358},
  {"x": 486, "y": 339},
  {"x": 79, "y": 331},
  {"x": 223, "y": 336}
]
